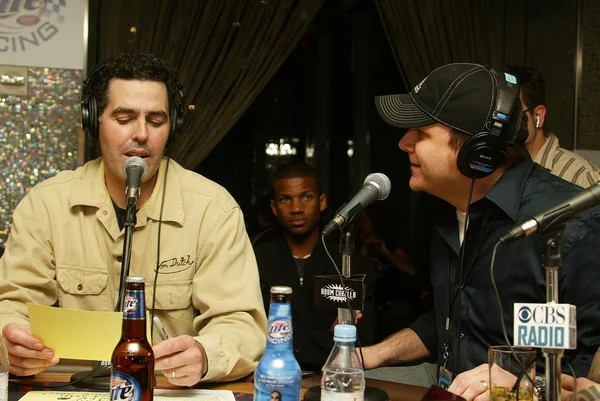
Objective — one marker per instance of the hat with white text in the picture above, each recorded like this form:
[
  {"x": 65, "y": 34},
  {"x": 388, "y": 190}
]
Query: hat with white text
[{"x": 469, "y": 98}]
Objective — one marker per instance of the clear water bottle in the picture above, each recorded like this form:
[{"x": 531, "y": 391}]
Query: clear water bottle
[
  {"x": 343, "y": 375},
  {"x": 278, "y": 376},
  {"x": 4, "y": 368}
]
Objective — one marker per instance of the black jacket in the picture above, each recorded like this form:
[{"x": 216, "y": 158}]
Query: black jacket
[
  {"x": 522, "y": 192},
  {"x": 313, "y": 339}
]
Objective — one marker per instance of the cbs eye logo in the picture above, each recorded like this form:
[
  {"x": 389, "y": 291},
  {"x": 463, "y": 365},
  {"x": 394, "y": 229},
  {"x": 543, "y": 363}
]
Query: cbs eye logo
[{"x": 525, "y": 314}]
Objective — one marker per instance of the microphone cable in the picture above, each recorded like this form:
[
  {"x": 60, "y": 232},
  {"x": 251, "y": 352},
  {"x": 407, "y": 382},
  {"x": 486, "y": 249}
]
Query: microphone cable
[
  {"x": 162, "y": 204},
  {"x": 462, "y": 252},
  {"x": 523, "y": 373},
  {"x": 352, "y": 312}
]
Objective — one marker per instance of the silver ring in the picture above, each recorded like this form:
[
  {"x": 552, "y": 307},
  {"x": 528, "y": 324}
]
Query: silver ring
[{"x": 485, "y": 385}]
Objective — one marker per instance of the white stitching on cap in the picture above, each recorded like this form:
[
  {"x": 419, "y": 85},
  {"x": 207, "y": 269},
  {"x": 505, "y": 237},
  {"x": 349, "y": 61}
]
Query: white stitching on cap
[
  {"x": 391, "y": 105},
  {"x": 461, "y": 79},
  {"x": 467, "y": 73}
]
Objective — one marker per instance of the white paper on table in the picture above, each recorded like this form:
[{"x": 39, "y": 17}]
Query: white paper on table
[
  {"x": 193, "y": 394},
  {"x": 159, "y": 395}
]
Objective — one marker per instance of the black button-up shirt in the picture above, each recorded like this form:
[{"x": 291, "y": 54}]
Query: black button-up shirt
[{"x": 523, "y": 191}]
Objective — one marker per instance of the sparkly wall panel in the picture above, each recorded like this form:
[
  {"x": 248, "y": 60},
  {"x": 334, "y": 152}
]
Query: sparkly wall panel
[{"x": 39, "y": 135}]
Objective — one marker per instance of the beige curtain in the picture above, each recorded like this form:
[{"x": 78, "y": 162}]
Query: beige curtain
[{"x": 225, "y": 51}]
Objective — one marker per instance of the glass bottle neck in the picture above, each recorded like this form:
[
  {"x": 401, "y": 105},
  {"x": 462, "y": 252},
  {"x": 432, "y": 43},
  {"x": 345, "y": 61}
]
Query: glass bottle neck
[{"x": 134, "y": 314}]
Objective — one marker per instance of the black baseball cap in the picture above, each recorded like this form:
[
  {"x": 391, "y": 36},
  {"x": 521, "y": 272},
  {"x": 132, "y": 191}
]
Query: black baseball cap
[{"x": 462, "y": 96}]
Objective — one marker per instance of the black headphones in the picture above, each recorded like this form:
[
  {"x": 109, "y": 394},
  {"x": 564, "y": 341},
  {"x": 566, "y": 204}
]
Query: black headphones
[
  {"x": 89, "y": 108},
  {"x": 482, "y": 153}
]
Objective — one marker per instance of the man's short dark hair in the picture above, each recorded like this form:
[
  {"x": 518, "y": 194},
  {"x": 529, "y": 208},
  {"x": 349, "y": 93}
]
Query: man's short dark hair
[
  {"x": 135, "y": 65},
  {"x": 533, "y": 87},
  {"x": 295, "y": 170}
]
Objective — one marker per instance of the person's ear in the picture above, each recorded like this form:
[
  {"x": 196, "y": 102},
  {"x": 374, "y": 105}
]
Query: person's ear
[
  {"x": 540, "y": 116},
  {"x": 273, "y": 208},
  {"x": 322, "y": 202}
]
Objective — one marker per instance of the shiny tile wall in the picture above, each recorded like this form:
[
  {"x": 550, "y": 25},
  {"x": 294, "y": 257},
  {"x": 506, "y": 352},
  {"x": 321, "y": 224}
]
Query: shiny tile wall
[{"x": 39, "y": 135}]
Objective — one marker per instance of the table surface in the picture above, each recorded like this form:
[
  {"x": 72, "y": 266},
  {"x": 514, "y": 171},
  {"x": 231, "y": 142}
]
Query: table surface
[{"x": 396, "y": 391}]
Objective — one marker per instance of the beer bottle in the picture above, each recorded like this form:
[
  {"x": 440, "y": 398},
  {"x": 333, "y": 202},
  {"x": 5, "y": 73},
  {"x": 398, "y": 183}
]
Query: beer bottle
[
  {"x": 132, "y": 375},
  {"x": 278, "y": 376}
]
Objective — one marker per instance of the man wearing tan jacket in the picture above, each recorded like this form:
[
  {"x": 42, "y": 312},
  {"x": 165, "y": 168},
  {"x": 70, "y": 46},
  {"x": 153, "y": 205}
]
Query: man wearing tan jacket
[{"x": 66, "y": 242}]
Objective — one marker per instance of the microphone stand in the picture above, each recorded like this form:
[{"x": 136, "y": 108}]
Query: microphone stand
[
  {"x": 552, "y": 259},
  {"x": 99, "y": 377},
  {"x": 347, "y": 248},
  {"x": 129, "y": 224}
]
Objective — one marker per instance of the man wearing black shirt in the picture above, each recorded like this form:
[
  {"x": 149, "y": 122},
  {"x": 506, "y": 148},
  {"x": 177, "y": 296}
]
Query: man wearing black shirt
[
  {"x": 464, "y": 153},
  {"x": 296, "y": 255}
]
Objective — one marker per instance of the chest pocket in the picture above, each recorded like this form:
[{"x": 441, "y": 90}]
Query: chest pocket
[
  {"x": 170, "y": 295},
  {"x": 76, "y": 280}
]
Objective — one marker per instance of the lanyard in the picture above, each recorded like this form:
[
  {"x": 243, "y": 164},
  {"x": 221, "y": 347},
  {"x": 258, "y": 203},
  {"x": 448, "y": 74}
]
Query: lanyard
[{"x": 486, "y": 229}]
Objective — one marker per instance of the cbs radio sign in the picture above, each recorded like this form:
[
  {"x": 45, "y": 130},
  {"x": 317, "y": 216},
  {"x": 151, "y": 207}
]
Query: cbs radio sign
[
  {"x": 545, "y": 325},
  {"x": 42, "y": 33}
]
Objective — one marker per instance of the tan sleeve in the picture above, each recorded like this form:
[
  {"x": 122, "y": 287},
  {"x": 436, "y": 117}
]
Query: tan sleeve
[
  {"x": 232, "y": 322},
  {"x": 27, "y": 271}
]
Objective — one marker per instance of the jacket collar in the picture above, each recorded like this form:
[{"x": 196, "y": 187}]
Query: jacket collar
[
  {"x": 508, "y": 191},
  {"x": 92, "y": 192}
]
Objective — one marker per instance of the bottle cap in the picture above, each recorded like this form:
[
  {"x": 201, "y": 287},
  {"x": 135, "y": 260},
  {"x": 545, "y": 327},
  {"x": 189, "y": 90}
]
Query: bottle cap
[
  {"x": 344, "y": 333},
  {"x": 132, "y": 279},
  {"x": 280, "y": 289}
]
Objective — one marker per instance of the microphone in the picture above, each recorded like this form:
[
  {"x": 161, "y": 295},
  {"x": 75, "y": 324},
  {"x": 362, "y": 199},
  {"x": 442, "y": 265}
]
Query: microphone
[
  {"x": 376, "y": 187},
  {"x": 558, "y": 214},
  {"x": 134, "y": 168}
]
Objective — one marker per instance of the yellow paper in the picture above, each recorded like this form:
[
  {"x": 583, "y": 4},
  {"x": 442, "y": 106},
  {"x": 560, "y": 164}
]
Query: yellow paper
[{"x": 76, "y": 334}]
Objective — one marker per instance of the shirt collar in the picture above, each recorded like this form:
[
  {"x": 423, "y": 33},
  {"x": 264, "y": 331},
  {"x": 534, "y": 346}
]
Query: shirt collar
[
  {"x": 506, "y": 193},
  {"x": 545, "y": 156},
  {"x": 92, "y": 191}
]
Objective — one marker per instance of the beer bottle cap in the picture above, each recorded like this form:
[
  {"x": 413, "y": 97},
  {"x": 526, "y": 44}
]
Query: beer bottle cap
[
  {"x": 132, "y": 279},
  {"x": 280, "y": 289}
]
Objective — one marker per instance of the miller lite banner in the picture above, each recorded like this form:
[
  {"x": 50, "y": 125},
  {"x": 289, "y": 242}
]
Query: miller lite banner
[
  {"x": 42, "y": 33},
  {"x": 548, "y": 325}
]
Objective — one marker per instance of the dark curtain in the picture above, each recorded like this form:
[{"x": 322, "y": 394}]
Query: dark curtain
[
  {"x": 425, "y": 34},
  {"x": 224, "y": 51}
]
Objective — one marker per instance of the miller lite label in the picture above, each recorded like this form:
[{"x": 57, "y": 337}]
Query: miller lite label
[
  {"x": 124, "y": 387},
  {"x": 548, "y": 325}
]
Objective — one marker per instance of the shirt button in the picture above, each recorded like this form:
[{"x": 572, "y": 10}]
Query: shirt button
[
  {"x": 104, "y": 212},
  {"x": 462, "y": 336},
  {"x": 80, "y": 286},
  {"x": 119, "y": 258}
]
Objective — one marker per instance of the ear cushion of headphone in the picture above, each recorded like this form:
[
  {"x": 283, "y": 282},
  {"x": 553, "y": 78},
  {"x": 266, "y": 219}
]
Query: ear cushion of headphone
[
  {"x": 480, "y": 156},
  {"x": 89, "y": 116},
  {"x": 176, "y": 122},
  {"x": 93, "y": 118},
  {"x": 85, "y": 113}
]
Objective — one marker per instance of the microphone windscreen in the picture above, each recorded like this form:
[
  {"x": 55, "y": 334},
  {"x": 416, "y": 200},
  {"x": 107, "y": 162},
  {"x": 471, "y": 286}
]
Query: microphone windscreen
[
  {"x": 382, "y": 182},
  {"x": 137, "y": 162}
]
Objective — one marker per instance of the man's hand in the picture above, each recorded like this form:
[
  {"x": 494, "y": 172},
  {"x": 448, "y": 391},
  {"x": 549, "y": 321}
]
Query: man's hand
[
  {"x": 473, "y": 384},
  {"x": 586, "y": 389},
  {"x": 470, "y": 384},
  {"x": 26, "y": 354},
  {"x": 182, "y": 359}
]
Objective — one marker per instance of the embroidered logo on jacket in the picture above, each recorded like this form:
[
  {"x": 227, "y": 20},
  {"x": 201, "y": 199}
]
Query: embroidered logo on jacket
[{"x": 175, "y": 265}]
